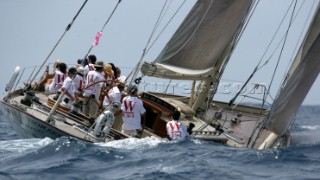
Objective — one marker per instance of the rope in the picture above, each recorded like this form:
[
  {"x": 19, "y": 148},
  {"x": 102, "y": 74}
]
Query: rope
[
  {"x": 67, "y": 29},
  {"x": 166, "y": 25},
  {"x": 135, "y": 71},
  {"x": 147, "y": 47},
  {"x": 301, "y": 37},
  {"x": 272, "y": 39},
  {"x": 258, "y": 67},
  {"x": 226, "y": 59},
  {"x": 281, "y": 52}
]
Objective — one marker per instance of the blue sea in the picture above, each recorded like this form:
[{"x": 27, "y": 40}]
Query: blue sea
[{"x": 150, "y": 158}]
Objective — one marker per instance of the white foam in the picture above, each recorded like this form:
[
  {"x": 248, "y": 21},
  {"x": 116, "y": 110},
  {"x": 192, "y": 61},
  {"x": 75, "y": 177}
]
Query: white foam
[
  {"x": 311, "y": 127},
  {"x": 134, "y": 143},
  {"x": 310, "y": 137},
  {"x": 21, "y": 145}
]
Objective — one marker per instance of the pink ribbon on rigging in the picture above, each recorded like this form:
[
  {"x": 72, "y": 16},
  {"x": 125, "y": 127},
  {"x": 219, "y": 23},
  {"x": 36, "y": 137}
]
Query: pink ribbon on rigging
[{"x": 96, "y": 41}]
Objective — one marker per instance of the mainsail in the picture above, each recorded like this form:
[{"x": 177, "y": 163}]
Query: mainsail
[
  {"x": 201, "y": 41},
  {"x": 301, "y": 76}
]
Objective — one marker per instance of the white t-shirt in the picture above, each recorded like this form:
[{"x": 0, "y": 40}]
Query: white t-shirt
[
  {"x": 87, "y": 68},
  {"x": 176, "y": 130},
  {"x": 132, "y": 109},
  {"x": 122, "y": 78},
  {"x": 93, "y": 77},
  {"x": 115, "y": 96},
  {"x": 79, "y": 82},
  {"x": 70, "y": 87},
  {"x": 57, "y": 81}
]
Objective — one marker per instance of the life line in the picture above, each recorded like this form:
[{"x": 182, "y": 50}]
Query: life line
[{"x": 103, "y": 124}]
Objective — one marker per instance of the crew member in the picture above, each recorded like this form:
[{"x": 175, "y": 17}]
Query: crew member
[
  {"x": 132, "y": 110},
  {"x": 176, "y": 130},
  {"x": 94, "y": 84},
  {"x": 57, "y": 80},
  {"x": 69, "y": 88}
]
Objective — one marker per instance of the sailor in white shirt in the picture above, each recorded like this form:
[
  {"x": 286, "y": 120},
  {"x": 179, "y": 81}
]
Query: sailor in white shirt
[
  {"x": 69, "y": 88},
  {"x": 176, "y": 130},
  {"x": 79, "y": 80},
  {"x": 94, "y": 83},
  {"x": 132, "y": 110},
  {"x": 57, "y": 81},
  {"x": 90, "y": 66},
  {"x": 115, "y": 96}
]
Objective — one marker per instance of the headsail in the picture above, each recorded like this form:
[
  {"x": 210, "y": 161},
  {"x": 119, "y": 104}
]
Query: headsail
[
  {"x": 301, "y": 76},
  {"x": 201, "y": 41}
]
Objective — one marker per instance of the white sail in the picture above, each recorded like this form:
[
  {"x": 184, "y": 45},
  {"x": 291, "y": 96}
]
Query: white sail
[
  {"x": 201, "y": 41},
  {"x": 301, "y": 76}
]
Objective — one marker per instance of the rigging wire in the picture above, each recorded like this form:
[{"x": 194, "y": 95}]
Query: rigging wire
[
  {"x": 95, "y": 43},
  {"x": 284, "y": 38},
  {"x": 284, "y": 43},
  {"x": 231, "y": 50},
  {"x": 176, "y": 12},
  {"x": 300, "y": 38},
  {"x": 294, "y": 118},
  {"x": 272, "y": 39},
  {"x": 281, "y": 40},
  {"x": 166, "y": 25},
  {"x": 136, "y": 69},
  {"x": 258, "y": 67},
  {"x": 147, "y": 47},
  {"x": 246, "y": 22},
  {"x": 55, "y": 46},
  {"x": 238, "y": 35},
  {"x": 99, "y": 34}
]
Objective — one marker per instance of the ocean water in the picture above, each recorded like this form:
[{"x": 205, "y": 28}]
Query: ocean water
[{"x": 150, "y": 158}]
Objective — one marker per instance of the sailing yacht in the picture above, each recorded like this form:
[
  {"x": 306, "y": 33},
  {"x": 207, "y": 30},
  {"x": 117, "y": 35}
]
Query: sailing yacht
[{"x": 199, "y": 51}]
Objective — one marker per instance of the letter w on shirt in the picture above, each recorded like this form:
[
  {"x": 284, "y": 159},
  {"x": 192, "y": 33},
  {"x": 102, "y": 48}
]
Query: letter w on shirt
[
  {"x": 175, "y": 130},
  {"x": 128, "y": 105}
]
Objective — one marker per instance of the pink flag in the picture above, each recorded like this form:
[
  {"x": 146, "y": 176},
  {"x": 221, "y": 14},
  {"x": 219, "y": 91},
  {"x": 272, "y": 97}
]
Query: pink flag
[{"x": 96, "y": 41}]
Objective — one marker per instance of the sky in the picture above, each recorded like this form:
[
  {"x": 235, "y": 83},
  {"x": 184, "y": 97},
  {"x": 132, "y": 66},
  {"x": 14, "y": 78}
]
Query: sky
[{"x": 30, "y": 29}]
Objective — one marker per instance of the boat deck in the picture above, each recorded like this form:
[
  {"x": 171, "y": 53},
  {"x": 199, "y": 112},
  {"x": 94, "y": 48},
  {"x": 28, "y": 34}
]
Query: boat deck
[
  {"x": 62, "y": 122},
  {"x": 236, "y": 126}
]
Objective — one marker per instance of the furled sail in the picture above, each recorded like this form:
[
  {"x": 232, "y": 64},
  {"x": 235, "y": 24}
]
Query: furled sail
[
  {"x": 201, "y": 41},
  {"x": 301, "y": 76}
]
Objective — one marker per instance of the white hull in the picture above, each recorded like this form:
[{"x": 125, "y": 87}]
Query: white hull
[{"x": 28, "y": 125}]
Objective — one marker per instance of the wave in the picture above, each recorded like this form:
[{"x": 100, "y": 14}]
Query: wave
[
  {"x": 309, "y": 137},
  {"x": 21, "y": 145},
  {"x": 134, "y": 143},
  {"x": 150, "y": 158},
  {"x": 309, "y": 127}
]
